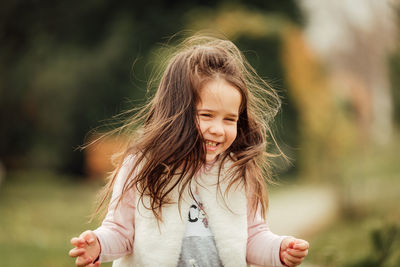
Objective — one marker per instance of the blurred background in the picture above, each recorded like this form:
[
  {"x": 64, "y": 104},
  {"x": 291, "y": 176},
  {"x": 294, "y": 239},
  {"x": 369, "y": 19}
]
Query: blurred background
[{"x": 67, "y": 67}]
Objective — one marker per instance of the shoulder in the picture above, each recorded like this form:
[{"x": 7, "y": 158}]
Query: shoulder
[{"x": 126, "y": 170}]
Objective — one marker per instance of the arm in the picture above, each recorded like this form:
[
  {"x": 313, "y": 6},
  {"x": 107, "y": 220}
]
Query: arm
[
  {"x": 116, "y": 233},
  {"x": 264, "y": 248},
  {"x": 114, "y": 238}
]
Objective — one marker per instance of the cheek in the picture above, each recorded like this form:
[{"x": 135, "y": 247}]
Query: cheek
[
  {"x": 202, "y": 126},
  {"x": 231, "y": 134}
]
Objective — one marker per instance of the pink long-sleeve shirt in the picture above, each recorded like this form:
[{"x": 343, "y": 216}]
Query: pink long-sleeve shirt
[{"x": 116, "y": 234}]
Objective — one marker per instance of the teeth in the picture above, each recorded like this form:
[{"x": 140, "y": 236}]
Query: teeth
[{"x": 211, "y": 143}]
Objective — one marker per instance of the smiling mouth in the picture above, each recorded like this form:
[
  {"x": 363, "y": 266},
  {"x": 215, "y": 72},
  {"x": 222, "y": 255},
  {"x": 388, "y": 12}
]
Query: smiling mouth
[{"x": 211, "y": 145}]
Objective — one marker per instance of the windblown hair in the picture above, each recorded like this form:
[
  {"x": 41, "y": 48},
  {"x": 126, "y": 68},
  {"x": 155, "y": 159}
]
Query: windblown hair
[{"x": 166, "y": 144}]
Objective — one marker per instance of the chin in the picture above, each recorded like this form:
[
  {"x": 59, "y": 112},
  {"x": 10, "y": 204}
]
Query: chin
[{"x": 211, "y": 158}]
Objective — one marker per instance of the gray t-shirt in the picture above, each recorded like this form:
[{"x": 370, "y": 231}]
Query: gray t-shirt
[{"x": 198, "y": 246}]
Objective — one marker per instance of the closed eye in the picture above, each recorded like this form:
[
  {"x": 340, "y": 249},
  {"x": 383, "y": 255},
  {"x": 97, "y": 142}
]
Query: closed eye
[{"x": 231, "y": 119}]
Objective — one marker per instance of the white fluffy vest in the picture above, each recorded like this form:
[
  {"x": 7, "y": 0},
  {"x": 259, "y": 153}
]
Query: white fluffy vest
[{"x": 160, "y": 244}]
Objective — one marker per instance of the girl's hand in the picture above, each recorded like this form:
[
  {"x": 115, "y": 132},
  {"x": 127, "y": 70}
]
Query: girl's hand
[
  {"x": 87, "y": 249},
  {"x": 293, "y": 251}
]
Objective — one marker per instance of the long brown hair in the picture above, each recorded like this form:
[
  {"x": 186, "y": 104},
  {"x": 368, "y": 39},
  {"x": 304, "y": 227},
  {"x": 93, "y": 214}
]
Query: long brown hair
[{"x": 166, "y": 144}]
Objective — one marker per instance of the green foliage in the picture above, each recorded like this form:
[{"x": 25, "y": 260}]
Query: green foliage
[
  {"x": 66, "y": 66},
  {"x": 394, "y": 64},
  {"x": 368, "y": 232},
  {"x": 385, "y": 242}
]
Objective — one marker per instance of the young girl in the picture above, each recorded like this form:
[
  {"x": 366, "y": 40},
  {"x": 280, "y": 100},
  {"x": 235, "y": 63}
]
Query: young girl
[{"x": 190, "y": 190}]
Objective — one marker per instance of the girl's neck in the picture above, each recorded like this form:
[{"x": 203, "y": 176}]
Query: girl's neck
[{"x": 209, "y": 164}]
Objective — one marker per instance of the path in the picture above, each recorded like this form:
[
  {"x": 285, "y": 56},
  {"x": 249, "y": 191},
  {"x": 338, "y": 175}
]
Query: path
[{"x": 301, "y": 210}]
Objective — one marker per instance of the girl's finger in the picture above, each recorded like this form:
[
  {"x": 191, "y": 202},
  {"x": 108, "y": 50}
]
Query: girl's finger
[
  {"x": 303, "y": 245},
  {"x": 297, "y": 253},
  {"x": 88, "y": 236},
  {"x": 91, "y": 240},
  {"x": 97, "y": 264},
  {"x": 287, "y": 260},
  {"x": 287, "y": 242},
  {"x": 83, "y": 261},
  {"x": 75, "y": 252},
  {"x": 74, "y": 241},
  {"x": 77, "y": 242},
  {"x": 293, "y": 260}
]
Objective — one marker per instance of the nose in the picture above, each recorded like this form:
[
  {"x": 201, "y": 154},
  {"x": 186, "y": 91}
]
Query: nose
[{"x": 216, "y": 128}]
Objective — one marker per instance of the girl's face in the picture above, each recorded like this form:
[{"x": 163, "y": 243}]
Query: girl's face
[{"x": 218, "y": 113}]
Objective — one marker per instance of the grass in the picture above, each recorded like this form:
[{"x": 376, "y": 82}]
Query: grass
[
  {"x": 39, "y": 213},
  {"x": 370, "y": 195}
]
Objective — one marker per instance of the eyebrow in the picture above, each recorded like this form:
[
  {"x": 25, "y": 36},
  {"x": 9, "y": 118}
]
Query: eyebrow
[{"x": 234, "y": 115}]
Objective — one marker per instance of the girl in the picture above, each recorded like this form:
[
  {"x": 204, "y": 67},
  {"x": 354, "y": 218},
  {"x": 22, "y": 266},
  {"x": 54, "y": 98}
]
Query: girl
[{"x": 190, "y": 190}]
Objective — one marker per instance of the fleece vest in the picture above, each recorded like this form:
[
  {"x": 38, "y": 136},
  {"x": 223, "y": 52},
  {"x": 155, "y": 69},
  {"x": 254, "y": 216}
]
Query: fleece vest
[{"x": 159, "y": 243}]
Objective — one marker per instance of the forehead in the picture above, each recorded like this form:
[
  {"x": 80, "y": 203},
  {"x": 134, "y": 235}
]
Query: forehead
[{"x": 219, "y": 95}]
